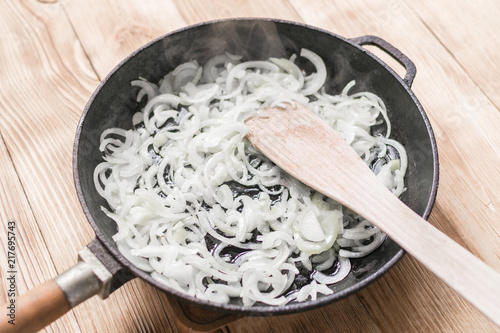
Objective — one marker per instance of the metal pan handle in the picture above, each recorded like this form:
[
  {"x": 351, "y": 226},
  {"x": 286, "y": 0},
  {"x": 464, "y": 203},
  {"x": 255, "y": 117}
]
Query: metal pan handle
[{"x": 409, "y": 66}]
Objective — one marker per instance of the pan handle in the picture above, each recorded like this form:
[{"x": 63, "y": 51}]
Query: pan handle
[
  {"x": 44, "y": 304},
  {"x": 385, "y": 46},
  {"x": 35, "y": 309}
]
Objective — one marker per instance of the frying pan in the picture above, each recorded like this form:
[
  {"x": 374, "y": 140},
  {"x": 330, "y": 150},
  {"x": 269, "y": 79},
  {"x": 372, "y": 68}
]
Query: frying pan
[{"x": 102, "y": 268}]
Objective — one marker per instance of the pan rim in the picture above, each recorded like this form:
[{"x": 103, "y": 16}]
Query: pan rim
[{"x": 234, "y": 308}]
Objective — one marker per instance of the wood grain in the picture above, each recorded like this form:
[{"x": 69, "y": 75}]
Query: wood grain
[
  {"x": 36, "y": 309},
  {"x": 127, "y": 26},
  {"x": 53, "y": 54},
  {"x": 474, "y": 49},
  {"x": 31, "y": 250}
]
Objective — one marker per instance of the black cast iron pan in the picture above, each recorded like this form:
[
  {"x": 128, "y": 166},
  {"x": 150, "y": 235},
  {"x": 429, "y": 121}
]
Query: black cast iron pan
[{"x": 102, "y": 269}]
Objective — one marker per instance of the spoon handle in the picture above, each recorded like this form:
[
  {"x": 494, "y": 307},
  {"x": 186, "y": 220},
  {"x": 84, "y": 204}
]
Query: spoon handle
[{"x": 303, "y": 145}]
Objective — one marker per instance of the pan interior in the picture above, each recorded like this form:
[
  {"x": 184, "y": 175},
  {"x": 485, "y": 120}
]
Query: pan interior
[{"x": 114, "y": 103}]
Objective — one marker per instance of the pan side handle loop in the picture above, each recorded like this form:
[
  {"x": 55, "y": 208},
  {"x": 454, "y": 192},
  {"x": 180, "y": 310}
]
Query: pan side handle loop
[{"x": 400, "y": 57}]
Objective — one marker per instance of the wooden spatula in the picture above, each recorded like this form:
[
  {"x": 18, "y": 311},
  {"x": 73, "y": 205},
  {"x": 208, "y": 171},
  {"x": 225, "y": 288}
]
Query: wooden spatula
[{"x": 303, "y": 145}]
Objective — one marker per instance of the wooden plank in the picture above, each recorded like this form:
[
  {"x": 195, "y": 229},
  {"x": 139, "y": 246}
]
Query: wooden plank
[
  {"x": 43, "y": 76},
  {"x": 33, "y": 262},
  {"x": 109, "y": 30},
  {"x": 195, "y": 12},
  {"x": 474, "y": 42},
  {"x": 51, "y": 79},
  {"x": 21, "y": 131}
]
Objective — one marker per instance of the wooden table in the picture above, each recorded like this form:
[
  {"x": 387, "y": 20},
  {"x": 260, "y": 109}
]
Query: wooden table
[{"x": 54, "y": 53}]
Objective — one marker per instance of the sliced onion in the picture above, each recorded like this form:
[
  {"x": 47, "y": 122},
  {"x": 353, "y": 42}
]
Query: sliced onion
[
  {"x": 339, "y": 275},
  {"x": 170, "y": 183}
]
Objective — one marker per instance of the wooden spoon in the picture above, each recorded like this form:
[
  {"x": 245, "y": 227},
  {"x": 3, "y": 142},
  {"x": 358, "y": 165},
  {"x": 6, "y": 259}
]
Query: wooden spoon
[{"x": 303, "y": 145}]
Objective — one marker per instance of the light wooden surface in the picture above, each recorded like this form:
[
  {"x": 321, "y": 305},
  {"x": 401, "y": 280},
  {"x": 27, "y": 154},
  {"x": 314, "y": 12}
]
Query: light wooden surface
[{"x": 53, "y": 54}]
